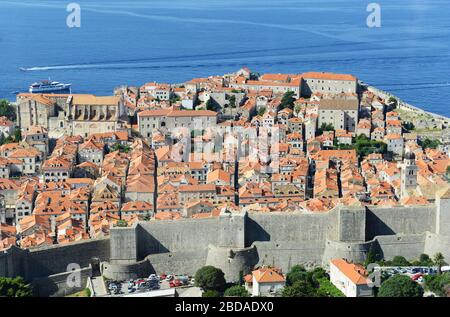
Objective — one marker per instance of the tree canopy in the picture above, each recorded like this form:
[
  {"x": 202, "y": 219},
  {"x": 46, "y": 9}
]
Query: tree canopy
[
  {"x": 7, "y": 110},
  {"x": 400, "y": 261},
  {"x": 429, "y": 143},
  {"x": 325, "y": 127},
  {"x": 400, "y": 286},
  {"x": 288, "y": 100},
  {"x": 299, "y": 289},
  {"x": 438, "y": 260},
  {"x": 236, "y": 291},
  {"x": 211, "y": 293},
  {"x": 312, "y": 283},
  {"x": 14, "y": 287},
  {"x": 210, "y": 278},
  {"x": 439, "y": 284}
]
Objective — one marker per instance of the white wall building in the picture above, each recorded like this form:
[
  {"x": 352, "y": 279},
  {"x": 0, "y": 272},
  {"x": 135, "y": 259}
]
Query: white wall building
[
  {"x": 351, "y": 279},
  {"x": 267, "y": 281}
]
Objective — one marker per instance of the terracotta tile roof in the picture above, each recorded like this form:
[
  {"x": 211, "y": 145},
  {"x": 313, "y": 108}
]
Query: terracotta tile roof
[
  {"x": 354, "y": 272},
  {"x": 137, "y": 206},
  {"x": 86, "y": 99},
  {"x": 268, "y": 275},
  {"x": 167, "y": 215},
  {"x": 328, "y": 76},
  {"x": 177, "y": 113},
  {"x": 197, "y": 188}
]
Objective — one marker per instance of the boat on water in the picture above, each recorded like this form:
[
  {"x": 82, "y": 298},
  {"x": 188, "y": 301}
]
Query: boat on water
[{"x": 47, "y": 86}]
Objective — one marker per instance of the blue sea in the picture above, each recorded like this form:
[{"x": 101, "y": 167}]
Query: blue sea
[{"x": 133, "y": 42}]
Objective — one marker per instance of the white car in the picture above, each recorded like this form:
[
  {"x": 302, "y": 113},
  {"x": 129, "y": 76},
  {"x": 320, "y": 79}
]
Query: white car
[{"x": 153, "y": 277}]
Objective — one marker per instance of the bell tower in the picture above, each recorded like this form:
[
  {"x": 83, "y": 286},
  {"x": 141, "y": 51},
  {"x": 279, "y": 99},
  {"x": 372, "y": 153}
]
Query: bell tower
[{"x": 408, "y": 174}]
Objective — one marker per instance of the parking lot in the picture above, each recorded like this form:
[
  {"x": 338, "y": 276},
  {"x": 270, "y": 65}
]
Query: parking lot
[
  {"x": 148, "y": 284},
  {"x": 416, "y": 273}
]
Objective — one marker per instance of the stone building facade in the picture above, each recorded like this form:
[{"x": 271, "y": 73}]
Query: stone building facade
[
  {"x": 74, "y": 114},
  {"x": 168, "y": 121},
  {"x": 342, "y": 114}
]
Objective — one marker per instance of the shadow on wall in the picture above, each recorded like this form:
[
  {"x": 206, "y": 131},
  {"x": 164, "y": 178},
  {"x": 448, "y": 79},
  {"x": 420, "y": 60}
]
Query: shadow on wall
[
  {"x": 375, "y": 226},
  {"x": 148, "y": 244},
  {"x": 377, "y": 250},
  {"x": 254, "y": 232},
  {"x": 44, "y": 287}
]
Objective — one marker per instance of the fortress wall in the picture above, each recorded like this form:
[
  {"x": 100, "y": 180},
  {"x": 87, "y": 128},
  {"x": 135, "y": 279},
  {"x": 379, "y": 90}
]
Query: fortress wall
[
  {"x": 178, "y": 262},
  {"x": 161, "y": 236},
  {"x": 409, "y": 246},
  {"x": 232, "y": 261},
  {"x": 57, "y": 285},
  {"x": 122, "y": 272},
  {"x": 286, "y": 254},
  {"x": 437, "y": 243},
  {"x": 13, "y": 262},
  {"x": 55, "y": 259},
  {"x": 354, "y": 252},
  {"x": 289, "y": 227},
  {"x": 124, "y": 245},
  {"x": 400, "y": 220}
]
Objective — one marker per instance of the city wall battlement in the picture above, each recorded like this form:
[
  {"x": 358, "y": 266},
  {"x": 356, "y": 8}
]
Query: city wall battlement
[{"x": 237, "y": 242}]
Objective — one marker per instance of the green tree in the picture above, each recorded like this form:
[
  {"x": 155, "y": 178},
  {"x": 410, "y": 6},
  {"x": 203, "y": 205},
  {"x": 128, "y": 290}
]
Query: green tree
[
  {"x": 261, "y": 111},
  {"x": 236, "y": 291},
  {"x": 393, "y": 101},
  {"x": 241, "y": 277},
  {"x": 121, "y": 148},
  {"x": 121, "y": 223},
  {"x": 299, "y": 289},
  {"x": 7, "y": 110},
  {"x": 210, "y": 105},
  {"x": 438, "y": 284},
  {"x": 408, "y": 126},
  {"x": 400, "y": 261},
  {"x": 400, "y": 286},
  {"x": 232, "y": 101},
  {"x": 327, "y": 289},
  {"x": 365, "y": 146},
  {"x": 319, "y": 273},
  {"x": 288, "y": 100},
  {"x": 371, "y": 257},
  {"x": 210, "y": 278},
  {"x": 211, "y": 293},
  {"x": 296, "y": 273},
  {"x": 425, "y": 260},
  {"x": 17, "y": 135},
  {"x": 438, "y": 260},
  {"x": 429, "y": 143},
  {"x": 325, "y": 127},
  {"x": 14, "y": 287}
]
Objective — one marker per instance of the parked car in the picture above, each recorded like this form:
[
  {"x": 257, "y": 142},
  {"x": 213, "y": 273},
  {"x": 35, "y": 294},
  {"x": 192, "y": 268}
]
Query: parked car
[
  {"x": 153, "y": 277},
  {"x": 169, "y": 278},
  {"x": 183, "y": 279},
  {"x": 175, "y": 283}
]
